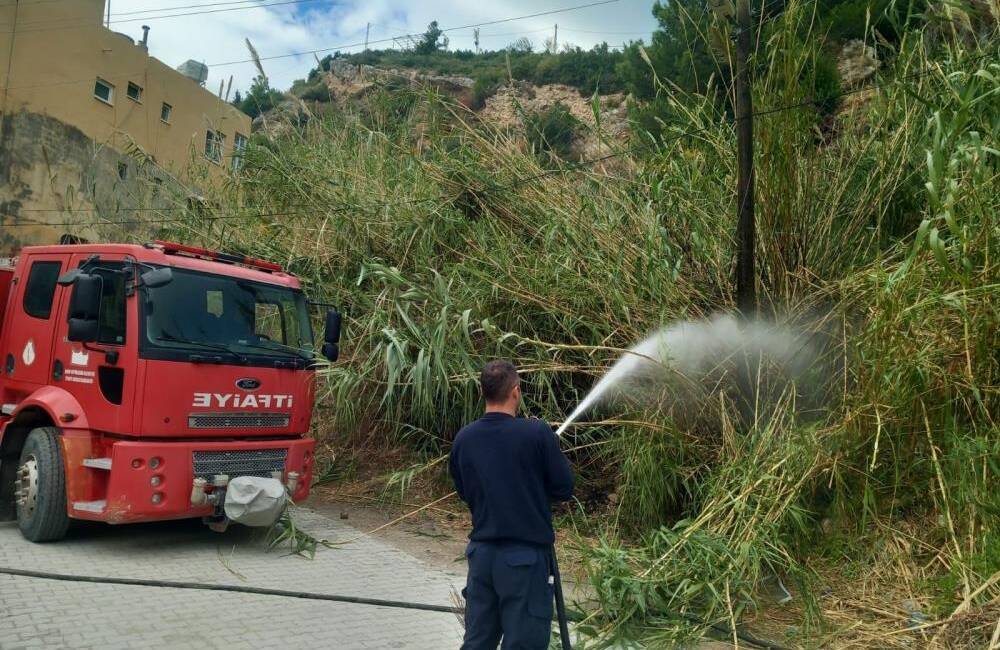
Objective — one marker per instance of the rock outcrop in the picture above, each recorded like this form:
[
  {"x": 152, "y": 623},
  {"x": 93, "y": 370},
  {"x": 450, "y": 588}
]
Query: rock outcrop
[
  {"x": 857, "y": 63},
  {"x": 506, "y": 107}
]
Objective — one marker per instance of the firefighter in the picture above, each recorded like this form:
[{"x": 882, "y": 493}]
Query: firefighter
[{"x": 508, "y": 470}]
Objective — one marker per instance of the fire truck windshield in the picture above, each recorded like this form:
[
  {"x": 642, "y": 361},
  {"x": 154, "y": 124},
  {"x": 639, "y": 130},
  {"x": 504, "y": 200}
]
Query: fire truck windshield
[{"x": 202, "y": 313}]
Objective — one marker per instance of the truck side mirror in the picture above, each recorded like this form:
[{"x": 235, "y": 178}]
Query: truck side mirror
[
  {"x": 69, "y": 277},
  {"x": 156, "y": 278},
  {"x": 85, "y": 308},
  {"x": 331, "y": 336}
]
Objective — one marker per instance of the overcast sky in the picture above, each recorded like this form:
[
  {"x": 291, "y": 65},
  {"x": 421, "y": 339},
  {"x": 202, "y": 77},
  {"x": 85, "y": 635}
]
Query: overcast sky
[{"x": 218, "y": 37}]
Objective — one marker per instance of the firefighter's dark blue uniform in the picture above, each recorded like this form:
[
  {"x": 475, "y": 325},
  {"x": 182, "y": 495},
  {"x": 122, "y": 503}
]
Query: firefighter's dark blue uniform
[{"x": 508, "y": 470}]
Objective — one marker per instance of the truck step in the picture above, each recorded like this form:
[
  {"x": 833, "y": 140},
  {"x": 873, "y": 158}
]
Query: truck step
[
  {"x": 90, "y": 506},
  {"x": 97, "y": 463}
]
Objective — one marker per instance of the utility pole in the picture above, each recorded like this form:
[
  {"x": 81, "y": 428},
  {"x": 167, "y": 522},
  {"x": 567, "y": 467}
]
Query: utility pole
[
  {"x": 555, "y": 39},
  {"x": 746, "y": 288},
  {"x": 368, "y": 27},
  {"x": 475, "y": 38},
  {"x": 108, "y": 19}
]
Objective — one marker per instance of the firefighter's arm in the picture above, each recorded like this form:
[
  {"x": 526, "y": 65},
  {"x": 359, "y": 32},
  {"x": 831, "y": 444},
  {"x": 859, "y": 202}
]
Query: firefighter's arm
[
  {"x": 558, "y": 474},
  {"x": 456, "y": 474}
]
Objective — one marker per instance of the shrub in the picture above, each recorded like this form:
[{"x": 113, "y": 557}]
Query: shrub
[
  {"x": 826, "y": 84},
  {"x": 551, "y": 132},
  {"x": 486, "y": 86},
  {"x": 318, "y": 92}
]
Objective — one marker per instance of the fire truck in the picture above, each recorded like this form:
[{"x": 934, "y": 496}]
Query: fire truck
[{"x": 139, "y": 381}]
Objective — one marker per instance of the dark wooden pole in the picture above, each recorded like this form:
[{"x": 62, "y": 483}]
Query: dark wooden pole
[{"x": 746, "y": 288}]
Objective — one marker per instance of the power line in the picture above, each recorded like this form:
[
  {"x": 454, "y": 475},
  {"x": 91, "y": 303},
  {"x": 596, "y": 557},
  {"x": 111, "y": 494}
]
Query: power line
[
  {"x": 60, "y": 23},
  {"x": 418, "y": 34},
  {"x": 114, "y": 76},
  {"x": 569, "y": 167},
  {"x": 496, "y": 35},
  {"x": 252, "y": 3},
  {"x": 336, "y": 47},
  {"x": 214, "y": 11},
  {"x": 347, "y": 45},
  {"x": 287, "y": 2},
  {"x": 606, "y": 33}
]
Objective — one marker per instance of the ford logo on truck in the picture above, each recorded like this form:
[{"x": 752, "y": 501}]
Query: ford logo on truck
[{"x": 248, "y": 383}]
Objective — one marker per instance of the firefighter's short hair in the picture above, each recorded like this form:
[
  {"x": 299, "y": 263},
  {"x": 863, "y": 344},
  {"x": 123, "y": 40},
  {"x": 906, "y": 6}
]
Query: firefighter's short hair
[{"x": 497, "y": 379}]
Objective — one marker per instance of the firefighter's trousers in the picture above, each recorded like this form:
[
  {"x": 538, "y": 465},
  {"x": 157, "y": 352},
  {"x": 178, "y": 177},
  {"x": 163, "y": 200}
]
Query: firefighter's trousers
[{"x": 508, "y": 595}]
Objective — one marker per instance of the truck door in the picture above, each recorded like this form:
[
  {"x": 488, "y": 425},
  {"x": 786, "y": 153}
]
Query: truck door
[
  {"x": 28, "y": 358},
  {"x": 101, "y": 375}
]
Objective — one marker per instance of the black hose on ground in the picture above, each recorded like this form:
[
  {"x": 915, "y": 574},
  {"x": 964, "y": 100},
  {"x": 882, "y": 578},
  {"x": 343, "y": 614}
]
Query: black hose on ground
[
  {"x": 745, "y": 637},
  {"x": 354, "y": 600},
  {"x": 242, "y": 589},
  {"x": 560, "y": 604}
]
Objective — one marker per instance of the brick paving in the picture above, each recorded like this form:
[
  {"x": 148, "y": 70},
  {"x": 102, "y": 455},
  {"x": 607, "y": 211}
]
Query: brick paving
[{"x": 37, "y": 613}]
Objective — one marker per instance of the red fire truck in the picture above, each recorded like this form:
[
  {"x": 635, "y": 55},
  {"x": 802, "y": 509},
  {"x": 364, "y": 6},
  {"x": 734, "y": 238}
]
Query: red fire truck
[{"x": 137, "y": 381}]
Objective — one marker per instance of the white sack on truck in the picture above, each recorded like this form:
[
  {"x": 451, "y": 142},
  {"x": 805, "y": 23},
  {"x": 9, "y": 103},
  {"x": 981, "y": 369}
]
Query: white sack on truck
[{"x": 254, "y": 501}]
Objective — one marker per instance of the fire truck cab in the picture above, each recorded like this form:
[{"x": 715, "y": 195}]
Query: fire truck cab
[{"x": 137, "y": 381}]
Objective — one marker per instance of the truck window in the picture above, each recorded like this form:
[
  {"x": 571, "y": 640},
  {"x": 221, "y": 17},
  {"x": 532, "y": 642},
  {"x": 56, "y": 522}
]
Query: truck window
[
  {"x": 111, "y": 319},
  {"x": 268, "y": 322},
  {"x": 41, "y": 289},
  {"x": 111, "y": 322},
  {"x": 197, "y": 311}
]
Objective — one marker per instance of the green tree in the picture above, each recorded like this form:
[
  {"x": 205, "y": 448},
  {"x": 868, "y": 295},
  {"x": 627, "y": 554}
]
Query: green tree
[
  {"x": 430, "y": 42},
  {"x": 522, "y": 45},
  {"x": 677, "y": 53},
  {"x": 260, "y": 98}
]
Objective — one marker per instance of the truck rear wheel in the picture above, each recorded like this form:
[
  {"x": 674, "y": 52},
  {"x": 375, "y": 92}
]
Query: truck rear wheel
[{"x": 40, "y": 487}]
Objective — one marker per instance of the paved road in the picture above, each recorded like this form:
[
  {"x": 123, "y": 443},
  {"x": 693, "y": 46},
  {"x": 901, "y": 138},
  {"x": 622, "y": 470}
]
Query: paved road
[{"x": 37, "y": 613}]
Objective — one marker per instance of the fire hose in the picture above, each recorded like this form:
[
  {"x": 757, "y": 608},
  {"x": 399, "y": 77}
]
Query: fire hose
[
  {"x": 241, "y": 589},
  {"x": 198, "y": 492},
  {"x": 560, "y": 604},
  {"x": 354, "y": 600}
]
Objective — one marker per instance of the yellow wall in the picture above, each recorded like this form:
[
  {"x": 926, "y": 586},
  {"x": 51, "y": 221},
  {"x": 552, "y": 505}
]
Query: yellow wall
[{"x": 51, "y": 61}]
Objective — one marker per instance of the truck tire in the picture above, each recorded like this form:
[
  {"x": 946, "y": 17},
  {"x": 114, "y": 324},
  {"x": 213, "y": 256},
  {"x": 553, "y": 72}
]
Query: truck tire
[{"x": 41, "y": 487}]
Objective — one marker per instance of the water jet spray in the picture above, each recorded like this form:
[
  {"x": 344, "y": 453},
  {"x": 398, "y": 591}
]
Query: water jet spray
[{"x": 687, "y": 356}]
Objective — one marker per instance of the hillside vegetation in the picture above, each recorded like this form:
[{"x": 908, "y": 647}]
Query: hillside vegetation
[
  {"x": 448, "y": 242},
  {"x": 689, "y": 49}
]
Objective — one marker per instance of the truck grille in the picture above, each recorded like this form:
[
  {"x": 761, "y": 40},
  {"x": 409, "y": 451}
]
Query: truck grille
[
  {"x": 247, "y": 462},
  {"x": 237, "y": 420}
]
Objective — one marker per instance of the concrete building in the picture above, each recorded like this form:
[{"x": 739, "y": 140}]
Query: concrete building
[{"x": 88, "y": 119}]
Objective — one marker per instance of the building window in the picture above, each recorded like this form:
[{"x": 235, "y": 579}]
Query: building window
[
  {"x": 134, "y": 92},
  {"x": 165, "y": 111},
  {"x": 239, "y": 144},
  {"x": 41, "y": 289},
  {"x": 215, "y": 142},
  {"x": 104, "y": 91}
]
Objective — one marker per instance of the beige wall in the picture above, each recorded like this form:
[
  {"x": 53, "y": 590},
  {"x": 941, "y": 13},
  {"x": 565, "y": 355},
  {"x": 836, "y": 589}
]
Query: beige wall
[
  {"x": 54, "y": 57},
  {"x": 67, "y": 159}
]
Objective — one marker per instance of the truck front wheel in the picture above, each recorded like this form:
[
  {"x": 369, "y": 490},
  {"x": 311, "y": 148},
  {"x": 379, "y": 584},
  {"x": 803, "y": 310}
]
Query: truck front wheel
[{"x": 40, "y": 487}]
